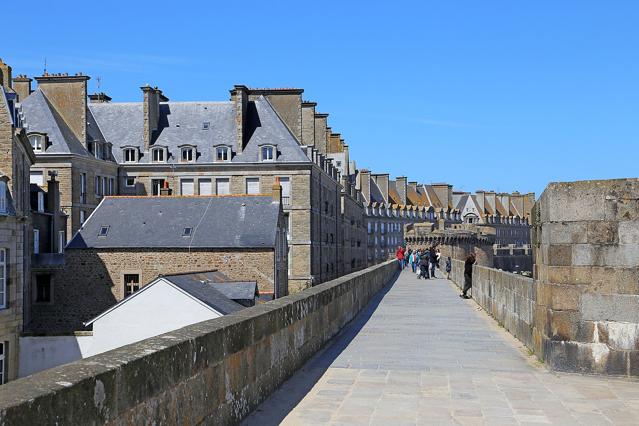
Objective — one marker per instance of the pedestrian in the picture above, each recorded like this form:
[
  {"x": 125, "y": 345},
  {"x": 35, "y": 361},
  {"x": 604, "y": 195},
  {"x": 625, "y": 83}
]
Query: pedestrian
[
  {"x": 468, "y": 275},
  {"x": 438, "y": 256},
  {"x": 399, "y": 254},
  {"x": 417, "y": 259},
  {"x": 424, "y": 259},
  {"x": 449, "y": 267},
  {"x": 433, "y": 262},
  {"x": 411, "y": 260}
]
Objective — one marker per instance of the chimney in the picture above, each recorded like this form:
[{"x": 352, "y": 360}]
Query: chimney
[
  {"x": 400, "y": 184},
  {"x": 480, "y": 196},
  {"x": 308, "y": 123},
  {"x": 152, "y": 98},
  {"x": 277, "y": 191},
  {"x": 489, "y": 197},
  {"x": 68, "y": 94},
  {"x": 22, "y": 86},
  {"x": 321, "y": 126},
  {"x": 346, "y": 165},
  {"x": 444, "y": 192},
  {"x": 99, "y": 98},
  {"x": 365, "y": 184},
  {"x": 413, "y": 186},
  {"x": 165, "y": 190},
  {"x": 518, "y": 201},
  {"x": 505, "y": 201},
  {"x": 240, "y": 95},
  {"x": 5, "y": 75},
  {"x": 381, "y": 179}
]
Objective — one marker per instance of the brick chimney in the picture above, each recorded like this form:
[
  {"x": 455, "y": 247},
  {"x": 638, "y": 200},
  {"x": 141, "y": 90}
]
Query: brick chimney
[
  {"x": 444, "y": 192},
  {"x": 365, "y": 184},
  {"x": 381, "y": 179},
  {"x": 413, "y": 186},
  {"x": 321, "y": 132},
  {"x": 240, "y": 95},
  {"x": 5, "y": 75},
  {"x": 99, "y": 98},
  {"x": 152, "y": 98},
  {"x": 347, "y": 161},
  {"x": 401, "y": 185},
  {"x": 277, "y": 191},
  {"x": 22, "y": 86},
  {"x": 308, "y": 123},
  {"x": 68, "y": 95}
]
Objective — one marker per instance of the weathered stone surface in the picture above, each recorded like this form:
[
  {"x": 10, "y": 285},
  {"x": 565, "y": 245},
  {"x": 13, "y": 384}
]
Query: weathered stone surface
[{"x": 613, "y": 307}]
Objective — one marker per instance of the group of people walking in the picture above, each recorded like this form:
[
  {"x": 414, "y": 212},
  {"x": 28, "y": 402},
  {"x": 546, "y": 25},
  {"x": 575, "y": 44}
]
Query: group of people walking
[{"x": 423, "y": 262}]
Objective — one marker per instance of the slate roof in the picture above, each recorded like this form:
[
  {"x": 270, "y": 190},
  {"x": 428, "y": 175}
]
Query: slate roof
[
  {"x": 376, "y": 193},
  {"x": 158, "y": 222},
  {"x": 182, "y": 123},
  {"x": 234, "y": 290},
  {"x": 41, "y": 116},
  {"x": 393, "y": 195},
  {"x": 206, "y": 292}
]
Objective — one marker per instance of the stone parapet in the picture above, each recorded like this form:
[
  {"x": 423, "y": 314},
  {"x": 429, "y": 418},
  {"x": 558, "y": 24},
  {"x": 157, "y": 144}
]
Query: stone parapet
[{"x": 214, "y": 372}]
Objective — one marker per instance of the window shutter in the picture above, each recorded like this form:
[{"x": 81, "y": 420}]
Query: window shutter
[
  {"x": 206, "y": 188},
  {"x": 186, "y": 187},
  {"x": 252, "y": 185}
]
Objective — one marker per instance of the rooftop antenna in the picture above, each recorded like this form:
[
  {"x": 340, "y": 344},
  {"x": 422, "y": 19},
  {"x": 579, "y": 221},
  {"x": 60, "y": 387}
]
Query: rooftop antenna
[
  {"x": 45, "y": 66},
  {"x": 99, "y": 80}
]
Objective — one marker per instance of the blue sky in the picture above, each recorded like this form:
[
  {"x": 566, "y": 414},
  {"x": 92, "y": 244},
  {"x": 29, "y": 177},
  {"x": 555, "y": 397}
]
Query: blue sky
[{"x": 499, "y": 95}]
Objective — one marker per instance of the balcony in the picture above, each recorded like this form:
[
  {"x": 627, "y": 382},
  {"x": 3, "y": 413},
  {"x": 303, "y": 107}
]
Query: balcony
[{"x": 286, "y": 200}]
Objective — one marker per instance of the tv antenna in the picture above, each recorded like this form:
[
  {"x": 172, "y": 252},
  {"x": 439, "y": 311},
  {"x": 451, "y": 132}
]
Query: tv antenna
[
  {"x": 45, "y": 66},
  {"x": 99, "y": 80}
]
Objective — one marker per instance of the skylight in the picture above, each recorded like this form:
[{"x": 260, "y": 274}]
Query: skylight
[
  {"x": 188, "y": 231},
  {"x": 206, "y": 125},
  {"x": 104, "y": 230}
]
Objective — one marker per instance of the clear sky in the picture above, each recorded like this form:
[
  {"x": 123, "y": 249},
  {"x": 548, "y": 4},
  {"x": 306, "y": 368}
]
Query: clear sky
[{"x": 504, "y": 95}]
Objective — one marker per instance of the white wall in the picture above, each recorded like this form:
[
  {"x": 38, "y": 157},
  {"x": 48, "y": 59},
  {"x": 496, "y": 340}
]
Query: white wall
[
  {"x": 39, "y": 353},
  {"x": 159, "y": 309}
]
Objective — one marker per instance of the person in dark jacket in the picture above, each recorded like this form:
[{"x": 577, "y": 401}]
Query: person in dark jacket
[
  {"x": 433, "y": 261},
  {"x": 424, "y": 259},
  {"x": 449, "y": 266},
  {"x": 468, "y": 275}
]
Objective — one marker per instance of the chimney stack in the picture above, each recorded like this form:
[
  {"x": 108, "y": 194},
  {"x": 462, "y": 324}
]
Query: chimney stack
[
  {"x": 152, "y": 98},
  {"x": 22, "y": 86},
  {"x": 400, "y": 184},
  {"x": 68, "y": 94},
  {"x": 240, "y": 95},
  {"x": 444, "y": 192},
  {"x": 365, "y": 185},
  {"x": 321, "y": 130},
  {"x": 277, "y": 191},
  {"x": 5, "y": 75},
  {"x": 381, "y": 179},
  {"x": 413, "y": 186}
]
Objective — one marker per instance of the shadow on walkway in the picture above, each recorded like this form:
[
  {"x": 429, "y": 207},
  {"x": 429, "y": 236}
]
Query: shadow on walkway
[{"x": 291, "y": 392}]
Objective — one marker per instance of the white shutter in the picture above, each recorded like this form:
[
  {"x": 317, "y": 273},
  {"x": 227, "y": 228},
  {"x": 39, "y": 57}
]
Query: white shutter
[
  {"x": 205, "y": 187},
  {"x": 222, "y": 186},
  {"x": 252, "y": 185},
  {"x": 186, "y": 187},
  {"x": 37, "y": 178},
  {"x": 285, "y": 182}
]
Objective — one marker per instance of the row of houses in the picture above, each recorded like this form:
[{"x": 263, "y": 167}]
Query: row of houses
[{"x": 103, "y": 198}]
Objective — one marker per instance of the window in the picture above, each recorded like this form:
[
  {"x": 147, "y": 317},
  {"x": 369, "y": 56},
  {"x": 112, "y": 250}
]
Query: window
[
  {"x": 222, "y": 153},
  {"x": 222, "y": 186},
  {"x": 268, "y": 153},
  {"x": 82, "y": 216},
  {"x": 130, "y": 155},
  {"x": 186, "y": 187},
  {"x": 98, "y": 150},
  {"x": 205, "y": 187},
  {"x": 61, "y": 241},
  {"x": 40, "y": 202},
  {"x": 43, "y": 288},
  {"x": 3, "y": 196},
  {"x": 83, "y": 187},
  {"x": 206, "y": 125},
  {"x": 37, "y": 178},
  {"x": 111, "y": 186},
  {"x": 187, "y": 155},
  {"x": 131, "y": 284},
  {"x": 97, "y": 186},
  {"x": 3, "y": 278},
  {"x": 37, "y": 143},
  {"x": 3, "y": 351},
  {"x": 188, "y": 231},
  {"x": 36, "y": 241},
  {"x": 285, "y": 182},
  {"x": 156, "y": 185},
  {"x": 129, "y": 182},
  {"x": 252, "y": 185},
  {"x": 104, "y": 186},
  {"x": 158, "y": 155},
  {"x": 104, "y": 230}
]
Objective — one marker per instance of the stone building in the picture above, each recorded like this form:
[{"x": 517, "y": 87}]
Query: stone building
[
  {"x": 67, "y": 140},
  {"x": 129, "y": 241},
  {"x": 16, "y": 157}
]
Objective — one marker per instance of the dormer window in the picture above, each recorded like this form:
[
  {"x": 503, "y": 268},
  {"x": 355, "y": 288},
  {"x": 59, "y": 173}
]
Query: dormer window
[
  {"x": 222, "y": 153},
  {"x": 188, "y": 154},
  {"x": 267, "y": 153},
  {"x": 130, "y": 155},
  {"x": 37, "y": 143},
  {"x": 158, "y": 155}
]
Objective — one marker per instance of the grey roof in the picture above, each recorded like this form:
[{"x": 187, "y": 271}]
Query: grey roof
[
  {"x": 206, "y": 292},
  {"x": 234, "y": 290},
  {"x": 182, "y": 123},
  {"x": 158, "y": 222},
  {"x": 41, "y": 116},
  {"x": 376, "y": 193}
]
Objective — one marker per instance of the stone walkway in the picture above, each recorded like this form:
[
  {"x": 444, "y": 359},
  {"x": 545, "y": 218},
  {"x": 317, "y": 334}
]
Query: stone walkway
[{"x": 418, "y": 354}]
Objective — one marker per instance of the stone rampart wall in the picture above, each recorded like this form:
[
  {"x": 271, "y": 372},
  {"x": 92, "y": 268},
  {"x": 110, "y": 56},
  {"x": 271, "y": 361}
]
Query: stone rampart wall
[
  {"x": 508, "y": 297},
  {"x": 214, "y": 372}
]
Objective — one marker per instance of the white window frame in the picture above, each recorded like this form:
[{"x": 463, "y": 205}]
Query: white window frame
[
  {"x": 3, "y": 352},
  {"x": 111, "y": 186},
  {"x": 160, "y": 152},
  {"x": 227, "y": 154},
  {"x": 134, "y": 155},
  {"x": 97, "y": 184},
  {"x": 3, "y": 278},
  {"x": 3, "y": 196},
  {"x": 40, "y": 180},
  {"x": 104, "y": 185},
  {"x": 273, "y": 153},
  {"x": 126, "y": 182},
  {"x": 191, "y": 153},
  {"x": 83, "y": 187},
  {"x": 40, "y": 201},
  {"x": 37, "y": 147}
]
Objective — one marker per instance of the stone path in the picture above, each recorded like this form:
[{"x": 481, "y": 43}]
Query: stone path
[{"x": 418, "y": 354}]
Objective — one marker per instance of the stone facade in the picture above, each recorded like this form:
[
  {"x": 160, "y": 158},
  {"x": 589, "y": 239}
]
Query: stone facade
[{"x": 16, "y": 241}]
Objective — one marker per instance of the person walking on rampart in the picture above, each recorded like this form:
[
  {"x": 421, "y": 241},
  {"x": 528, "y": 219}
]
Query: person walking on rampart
[
  {"x": 411, "y": 259},
  {"x": 400, "y": 257},
  {"x": 468, "y": 275},
  {"x": 449, "y": 267},
  {"x": 433, "y": 261},
  {"x": 424, "y": 260}
]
